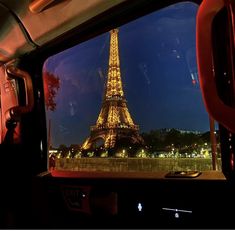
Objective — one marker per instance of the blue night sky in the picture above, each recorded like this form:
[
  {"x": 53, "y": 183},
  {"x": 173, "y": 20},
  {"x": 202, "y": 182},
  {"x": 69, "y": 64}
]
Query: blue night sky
[{"x": 158, "y": 66}]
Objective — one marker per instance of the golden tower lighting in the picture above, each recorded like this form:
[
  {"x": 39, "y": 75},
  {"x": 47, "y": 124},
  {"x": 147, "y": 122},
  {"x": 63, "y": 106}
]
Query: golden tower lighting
[{"x": 114, "y": 121}]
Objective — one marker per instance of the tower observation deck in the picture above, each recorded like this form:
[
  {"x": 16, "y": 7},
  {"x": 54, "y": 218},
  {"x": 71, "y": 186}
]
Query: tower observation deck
[{"x": 114, "y": 122}]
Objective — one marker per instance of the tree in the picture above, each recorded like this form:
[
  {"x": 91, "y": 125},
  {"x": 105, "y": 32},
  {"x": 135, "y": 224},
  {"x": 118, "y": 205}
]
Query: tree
[
  {"x": 74, "y": 148},
  {"x": 51, "y": 86},
  {"x": 63, "y": 149}
]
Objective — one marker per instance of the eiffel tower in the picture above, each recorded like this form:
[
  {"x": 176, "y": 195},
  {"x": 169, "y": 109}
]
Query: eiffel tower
[{"x": 114, "y": 122}]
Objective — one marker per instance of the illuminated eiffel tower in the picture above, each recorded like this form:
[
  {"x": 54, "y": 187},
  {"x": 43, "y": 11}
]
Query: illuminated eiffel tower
[{"x": 114, "y": 122}]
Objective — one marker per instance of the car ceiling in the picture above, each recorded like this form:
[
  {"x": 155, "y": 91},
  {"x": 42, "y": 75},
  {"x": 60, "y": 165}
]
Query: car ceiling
[{"x": 22, "y": 30}]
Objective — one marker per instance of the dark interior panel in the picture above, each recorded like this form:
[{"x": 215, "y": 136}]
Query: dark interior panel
[{"x": 134, "y": 204}]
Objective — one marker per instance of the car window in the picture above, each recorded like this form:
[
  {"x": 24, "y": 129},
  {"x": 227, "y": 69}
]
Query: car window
[{"x": 130, "y": 99}]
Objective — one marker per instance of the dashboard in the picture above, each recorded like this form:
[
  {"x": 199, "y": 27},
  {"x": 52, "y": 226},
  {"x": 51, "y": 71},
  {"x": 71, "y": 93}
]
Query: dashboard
[{"x": 132, "y": 202}]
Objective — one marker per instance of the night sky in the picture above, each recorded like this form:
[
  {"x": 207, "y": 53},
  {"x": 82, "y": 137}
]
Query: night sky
[{"x": 158, "y": 70}]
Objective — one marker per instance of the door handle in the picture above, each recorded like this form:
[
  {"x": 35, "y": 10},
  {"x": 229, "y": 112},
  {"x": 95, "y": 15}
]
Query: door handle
[{"x": 14, "y": 113}]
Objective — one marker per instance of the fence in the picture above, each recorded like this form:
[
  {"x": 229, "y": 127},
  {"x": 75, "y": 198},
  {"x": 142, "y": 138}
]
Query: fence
[{"x": 135, "y": 164}]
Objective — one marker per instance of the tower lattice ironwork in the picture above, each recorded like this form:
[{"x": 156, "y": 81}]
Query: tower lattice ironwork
[{"x": 114, "y": 122}]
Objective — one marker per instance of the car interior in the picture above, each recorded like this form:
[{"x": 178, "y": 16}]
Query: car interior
[{"x": 54, "y": 62}]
